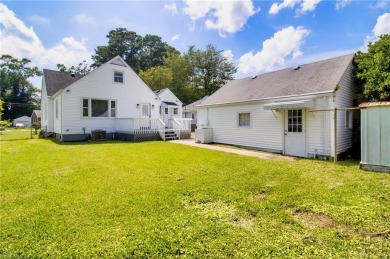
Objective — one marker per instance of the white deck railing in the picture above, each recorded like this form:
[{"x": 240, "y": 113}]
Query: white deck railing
[
  {"x": 181, "y": 125},
  {"x": 140, "y": 125},
  {"x": 152, "y": 125}
]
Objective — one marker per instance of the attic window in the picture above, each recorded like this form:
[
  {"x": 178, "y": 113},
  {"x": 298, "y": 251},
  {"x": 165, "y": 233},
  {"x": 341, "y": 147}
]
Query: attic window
[{"x": 118, "y": 77}]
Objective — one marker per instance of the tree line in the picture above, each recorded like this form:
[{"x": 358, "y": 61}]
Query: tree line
[{"x": 190, "y": 75}]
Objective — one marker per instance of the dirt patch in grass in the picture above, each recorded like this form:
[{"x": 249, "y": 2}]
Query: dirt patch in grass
[
  {"x": 220, "y": 211},
  {"x": 317, "y": 220}
]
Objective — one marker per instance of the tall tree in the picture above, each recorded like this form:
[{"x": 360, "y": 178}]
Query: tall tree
[
  {"x": 157, "y": 77},
  {"x": 373, "y": 71},
  {"x": 19, "y": 95},
  {"x": 210, "y": 69},
  {"x": 181, "y": 73},
  {"x": 140, "y": 53},
  {"x": 82, "y": 68}
]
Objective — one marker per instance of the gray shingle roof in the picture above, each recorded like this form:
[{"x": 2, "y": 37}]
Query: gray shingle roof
[
  {"x": 192, "y": 106},
  {"x": 57, "y": 80},
  {"x": 321, "y": 76}
]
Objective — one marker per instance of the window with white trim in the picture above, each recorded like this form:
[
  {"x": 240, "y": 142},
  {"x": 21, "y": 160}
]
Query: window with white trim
[
  {"x": 118, "y": 77},
  {"x": 244, "y": 119},
  {"x": 348, "y": 119},
  {"x": 98, "y": 108},
  {"x": 113, "y": 108},
  {"x": 175, "y": 111}
]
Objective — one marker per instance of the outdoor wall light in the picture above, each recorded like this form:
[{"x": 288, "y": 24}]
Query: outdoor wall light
[
  {"x": 137, "y": 105},
  {"x": 152, "y": 106}
]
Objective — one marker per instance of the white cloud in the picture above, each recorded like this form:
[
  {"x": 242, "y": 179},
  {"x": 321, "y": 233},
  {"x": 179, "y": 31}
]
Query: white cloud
[
  {"x": 171, "y": 7},
  {"x": 38, "y": 19},
  {"x": 303, "y": 6},
  {"x": 275, "y": 7},
  {"x": 284, "y": 44},
  {"x": 228, "y": 54},
  {"x": 84, "y": 18},
  {"x": 224, "y": 16},
  {"x": 175, "y": 37},
  {"x": 342, "y": 3},
  {"x": 382, "y": 26},
  {"x": 380, "y": 4},
  {"x": 21, "y": 41}
]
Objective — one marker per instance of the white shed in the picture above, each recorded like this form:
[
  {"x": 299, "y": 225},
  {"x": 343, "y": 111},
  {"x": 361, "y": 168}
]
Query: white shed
[
  {"x": 375, "y": 136},
  {"x": 272, "y": 111},
  {"x": 25, "y": 120}
]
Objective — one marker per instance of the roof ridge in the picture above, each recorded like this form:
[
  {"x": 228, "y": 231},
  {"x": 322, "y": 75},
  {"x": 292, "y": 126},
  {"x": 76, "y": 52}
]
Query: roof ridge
[{"x": 292, "y": 67}]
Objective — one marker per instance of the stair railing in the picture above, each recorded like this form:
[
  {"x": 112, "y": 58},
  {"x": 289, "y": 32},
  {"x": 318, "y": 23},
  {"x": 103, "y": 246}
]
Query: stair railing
[
  {"x": 176, "y": 125},
  {"x": 161, "y": 129}
]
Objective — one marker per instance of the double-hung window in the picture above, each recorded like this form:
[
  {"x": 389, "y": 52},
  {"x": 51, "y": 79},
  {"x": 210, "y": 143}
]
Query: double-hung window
[
  {"x": 244, "y": 119},
  {"x": 98, "y": 108},
  {"x": 118, "y": 77}
]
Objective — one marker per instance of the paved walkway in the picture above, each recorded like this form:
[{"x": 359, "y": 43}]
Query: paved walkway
[{"x": 244, "y": 152}]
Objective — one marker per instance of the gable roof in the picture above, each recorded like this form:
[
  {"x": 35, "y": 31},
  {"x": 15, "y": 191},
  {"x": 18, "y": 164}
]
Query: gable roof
[
  {"x": 57, "y": 80},
  {"x": 318, "y": 77},
  {"x": 192, "y": 106},
  {"x": 37, "y": 113}
]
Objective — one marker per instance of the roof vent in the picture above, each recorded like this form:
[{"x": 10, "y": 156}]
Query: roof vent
[
  {"x": 72, "y": 74},
  {"x": 297, "y": 67},
  {"x": 254, "y": 77}
]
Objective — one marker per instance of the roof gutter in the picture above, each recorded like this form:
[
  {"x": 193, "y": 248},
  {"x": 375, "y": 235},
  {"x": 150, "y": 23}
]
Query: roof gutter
[{"x": 319, "y": 94}]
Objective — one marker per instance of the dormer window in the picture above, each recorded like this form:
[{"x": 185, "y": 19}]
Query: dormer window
[{"x": 118, "y": 77}]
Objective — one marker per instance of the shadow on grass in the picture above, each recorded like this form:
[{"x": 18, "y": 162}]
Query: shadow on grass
[{"x": 93, "y": 142}]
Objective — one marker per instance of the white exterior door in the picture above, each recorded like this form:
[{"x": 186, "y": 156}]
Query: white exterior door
[
  {"x": 294, "y": 133},
  {"x": 145, "y": 110}
]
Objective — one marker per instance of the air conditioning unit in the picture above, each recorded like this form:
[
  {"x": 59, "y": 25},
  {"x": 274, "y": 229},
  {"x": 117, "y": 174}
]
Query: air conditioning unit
[
  {"x": 204, "y": 135},
  {"x": 98, "y": 134}
]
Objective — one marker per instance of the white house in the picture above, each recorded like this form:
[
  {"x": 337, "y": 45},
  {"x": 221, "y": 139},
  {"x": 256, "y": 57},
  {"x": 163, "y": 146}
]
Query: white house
[
  {"x": 25, "y": 120},
  {"x": 190, "y": 111},
  {"x": 112, "y": 98},
  {"x": 170, "y": 107},
  {"x": 290, "y": 111}
]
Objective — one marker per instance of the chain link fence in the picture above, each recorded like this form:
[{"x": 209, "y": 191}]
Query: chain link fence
[{"x": 11, "y": 134}]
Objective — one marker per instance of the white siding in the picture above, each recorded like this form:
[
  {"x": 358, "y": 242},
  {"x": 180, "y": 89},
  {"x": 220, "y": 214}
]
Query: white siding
[
  {"x": 318, "y": 129},
  {"x": 47, "y": 121},
  {"x": 100, "y": 85},
  {"x": 344, "y": 99},
  {"x": 265, "y": 130},
  {"x": 57, "y": 119},
  {"x": 168, "y": 96}
]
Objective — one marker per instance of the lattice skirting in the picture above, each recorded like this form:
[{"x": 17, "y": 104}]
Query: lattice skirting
[{"x": 137, "y": 137}]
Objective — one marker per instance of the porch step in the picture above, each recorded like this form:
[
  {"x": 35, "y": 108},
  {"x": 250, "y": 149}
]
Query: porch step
[{"x": 170, "y": 135}]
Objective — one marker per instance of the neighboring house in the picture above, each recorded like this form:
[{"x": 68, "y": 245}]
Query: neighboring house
[
  {"x": 112, "y": 99},
  {"x": 24, "y": 120},
  {"x": 170, "y": 107},
  {"x": 36, "y": 116},
  {"x": 190, "y": 111},
  {"x": 274, "y": 111},
  {"x": 375, "y": 136}
]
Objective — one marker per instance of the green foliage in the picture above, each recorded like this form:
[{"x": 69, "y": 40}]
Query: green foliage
[
  {"x": 18, "y": 94},
  {"x": 210, "y": 69},
  {"x": 373, "y": 71},
  {"x": 140, "y": 53},
  {"x": 82, "y": 68},
  {"x": 4, "y": 124},
  {"x": 157, "y": 77},
  {"x": 120, "y": 199}
]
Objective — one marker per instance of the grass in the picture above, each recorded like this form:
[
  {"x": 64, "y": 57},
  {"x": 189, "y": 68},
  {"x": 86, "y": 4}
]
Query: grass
[{"x": 159, "y": 199}]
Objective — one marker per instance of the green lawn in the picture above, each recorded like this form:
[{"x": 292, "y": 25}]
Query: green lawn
[{"x": 158, "y": 199}]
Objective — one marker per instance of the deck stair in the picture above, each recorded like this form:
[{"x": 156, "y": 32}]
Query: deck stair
[{"x": 170, "y": 134}]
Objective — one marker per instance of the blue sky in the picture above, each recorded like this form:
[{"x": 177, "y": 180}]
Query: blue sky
[{"x": 257, "y": 36}]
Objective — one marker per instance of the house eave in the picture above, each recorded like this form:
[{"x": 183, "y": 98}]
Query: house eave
[{"x": 316, "y": 94}]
